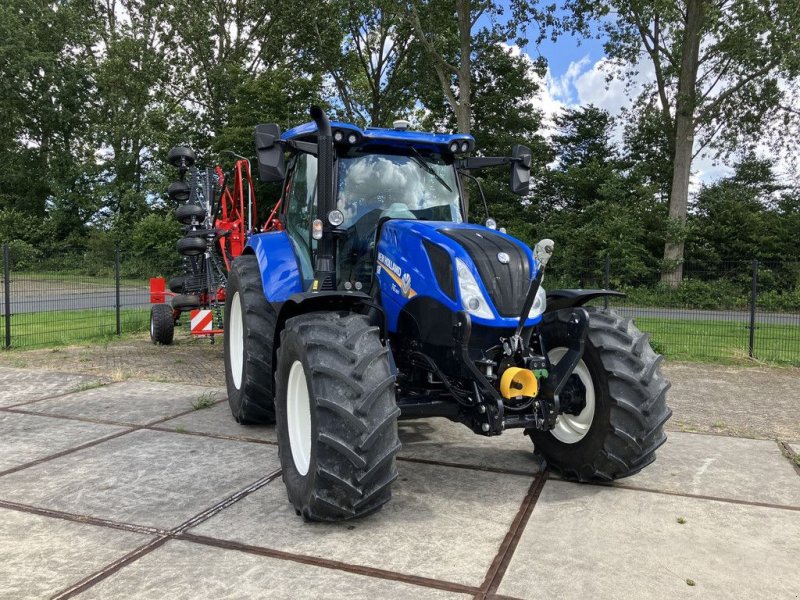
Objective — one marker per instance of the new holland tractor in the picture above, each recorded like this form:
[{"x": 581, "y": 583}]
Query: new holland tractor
[{"x": 373, "y": 300}]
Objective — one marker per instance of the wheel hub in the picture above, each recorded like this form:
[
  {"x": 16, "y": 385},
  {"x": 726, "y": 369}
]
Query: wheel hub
[
  {"x": 572, "y": 427},
  {"x": 573, "y": 396}
]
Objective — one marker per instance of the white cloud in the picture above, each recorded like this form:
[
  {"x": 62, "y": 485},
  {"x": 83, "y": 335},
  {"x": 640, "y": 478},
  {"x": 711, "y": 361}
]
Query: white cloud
[{"x": 603, "y": 84}]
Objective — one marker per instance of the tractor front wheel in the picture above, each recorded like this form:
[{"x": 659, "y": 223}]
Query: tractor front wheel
[
  {"x": 616, "y": 398},
  {"x": 337, "y": 416}
]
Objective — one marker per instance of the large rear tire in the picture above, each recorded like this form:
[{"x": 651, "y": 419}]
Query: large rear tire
[
  {"x": 249, "y": 331},
  {"x": 621, "y": 423},
  {"x": 337, "y": 416}
]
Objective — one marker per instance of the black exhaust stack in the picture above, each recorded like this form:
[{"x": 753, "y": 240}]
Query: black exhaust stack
[{"x": 325, "y": 265}]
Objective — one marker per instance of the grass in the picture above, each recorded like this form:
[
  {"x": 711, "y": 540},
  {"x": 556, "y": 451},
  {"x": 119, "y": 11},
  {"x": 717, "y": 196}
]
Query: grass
[
  {"x": 205, "y": 400},
  {"x": 89, "y": 385},
  {"x": 64, "y": 327},
  {"x": 721, "y": 341}
]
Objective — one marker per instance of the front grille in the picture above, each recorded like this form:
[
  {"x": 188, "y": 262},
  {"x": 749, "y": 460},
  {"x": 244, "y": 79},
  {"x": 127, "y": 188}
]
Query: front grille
[{"x": 507, "y": 284}]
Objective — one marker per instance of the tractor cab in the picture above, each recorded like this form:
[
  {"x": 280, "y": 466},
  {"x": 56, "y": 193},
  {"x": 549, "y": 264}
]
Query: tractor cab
[
  {"x": 378, "y": 174},
  {"x": 375, "y": 174}
]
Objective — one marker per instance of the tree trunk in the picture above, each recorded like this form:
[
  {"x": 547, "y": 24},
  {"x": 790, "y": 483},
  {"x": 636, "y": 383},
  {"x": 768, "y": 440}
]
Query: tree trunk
[
  {"x": 684, "y": 139},
  {"x": 464, "y": 108}
]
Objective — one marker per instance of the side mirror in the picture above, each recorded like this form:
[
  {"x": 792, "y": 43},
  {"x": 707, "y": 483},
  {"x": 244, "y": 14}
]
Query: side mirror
[
  {"x": 271, "y": 160},
  {"x": 520, "y": 170}
]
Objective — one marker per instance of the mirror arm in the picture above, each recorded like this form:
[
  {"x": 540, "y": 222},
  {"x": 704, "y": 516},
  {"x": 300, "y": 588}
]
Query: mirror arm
[
  {"x": 308, "y": 147},
  {"x": 481, "y": 162}
]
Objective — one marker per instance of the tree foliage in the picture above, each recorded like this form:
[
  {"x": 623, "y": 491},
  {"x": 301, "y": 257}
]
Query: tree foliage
[{"x": 95, "y": 92}]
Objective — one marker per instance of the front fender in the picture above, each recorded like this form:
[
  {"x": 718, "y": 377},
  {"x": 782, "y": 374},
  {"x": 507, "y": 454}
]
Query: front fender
[{"x": 558, "y": 299}]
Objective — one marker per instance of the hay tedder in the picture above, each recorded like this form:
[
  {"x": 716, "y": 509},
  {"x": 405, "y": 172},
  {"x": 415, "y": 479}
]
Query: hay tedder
[{"x": 218, "y": 212}]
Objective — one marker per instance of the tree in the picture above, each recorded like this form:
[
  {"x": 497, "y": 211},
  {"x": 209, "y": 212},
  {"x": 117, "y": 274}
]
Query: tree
[
  {"x": 44, "y": 48},
  {"x": 718, "y": 71},
  {"x": 592, "y": 205},
  {"x": 364, "y": 47},
  {"x": 450, "y": 43}
]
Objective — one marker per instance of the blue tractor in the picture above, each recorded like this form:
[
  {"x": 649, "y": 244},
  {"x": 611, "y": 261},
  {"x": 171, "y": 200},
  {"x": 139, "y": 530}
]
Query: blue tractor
[{"x": 373, "y": 299}]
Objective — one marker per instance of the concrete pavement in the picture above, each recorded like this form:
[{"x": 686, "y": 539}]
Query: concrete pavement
[{"x": 118, "y": 490}]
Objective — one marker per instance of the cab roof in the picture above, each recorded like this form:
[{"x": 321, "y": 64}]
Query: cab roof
[{"x": 385, "y": 136}]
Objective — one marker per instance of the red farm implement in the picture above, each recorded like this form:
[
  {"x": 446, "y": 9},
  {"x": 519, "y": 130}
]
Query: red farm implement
[{"x": 218, "y": 211}]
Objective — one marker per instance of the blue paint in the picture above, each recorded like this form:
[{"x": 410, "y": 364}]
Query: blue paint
[
  {"x": 280, "y": 274},
  {"x": 392, "y": 137},
  {"x": 402, "y": 245}
]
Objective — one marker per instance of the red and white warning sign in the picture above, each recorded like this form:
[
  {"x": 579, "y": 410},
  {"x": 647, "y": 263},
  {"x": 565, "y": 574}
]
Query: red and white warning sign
[{"x": 202, "y": 321}]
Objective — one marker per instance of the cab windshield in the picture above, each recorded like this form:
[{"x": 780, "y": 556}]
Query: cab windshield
[
  {"x": 402, "y": 186},
  {"x": 397, "y": 186}
]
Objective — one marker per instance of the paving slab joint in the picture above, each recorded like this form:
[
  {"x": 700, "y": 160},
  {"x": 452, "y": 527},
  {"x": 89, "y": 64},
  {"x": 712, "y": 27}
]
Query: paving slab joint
[
  {"x": 111, "y": 568},
  {"x": 789, "y": 453},
  {"x": 501, "y": 561}
]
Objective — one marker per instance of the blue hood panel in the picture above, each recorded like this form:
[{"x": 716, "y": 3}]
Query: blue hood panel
[{"x": 405, "y": 270}]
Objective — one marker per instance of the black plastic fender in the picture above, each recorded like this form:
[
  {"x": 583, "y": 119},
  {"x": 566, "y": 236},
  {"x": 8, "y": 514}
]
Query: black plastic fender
[{"x": 558, "y": 299}]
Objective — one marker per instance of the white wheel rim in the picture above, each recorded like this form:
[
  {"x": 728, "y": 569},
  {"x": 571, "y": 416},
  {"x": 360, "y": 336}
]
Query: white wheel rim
[
  {"x": 152, "y": 327},
  {"x": 236, "y": 341},
  {"x": 298, "y": 417},
  {"x": 571, "y": 429}
]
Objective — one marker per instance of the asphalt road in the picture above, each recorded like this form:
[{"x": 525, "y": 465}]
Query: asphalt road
[
  {"x": 32, "y": 302},
  {"x": 104, "y": 297}
]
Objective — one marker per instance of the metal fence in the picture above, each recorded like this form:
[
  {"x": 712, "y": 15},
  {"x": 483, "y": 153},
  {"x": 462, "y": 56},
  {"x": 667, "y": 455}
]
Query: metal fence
[
  {"x": 721, "y": 311},
  {"x": 51, "y": 304}
]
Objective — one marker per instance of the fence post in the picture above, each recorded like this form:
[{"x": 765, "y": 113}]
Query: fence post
[
  {"x": 7, "y": 291},
  {"x": 753, "y": 299},
  {"x": 606, "y": 279},
  {"x": 116, "y": 285}
]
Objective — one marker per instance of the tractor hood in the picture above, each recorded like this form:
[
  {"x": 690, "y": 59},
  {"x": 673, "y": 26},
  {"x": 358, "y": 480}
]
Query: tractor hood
[{"x": 462, "y": 266}]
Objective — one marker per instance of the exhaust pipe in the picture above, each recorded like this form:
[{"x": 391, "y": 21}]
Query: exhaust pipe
[{"x": 319, "y": 117}]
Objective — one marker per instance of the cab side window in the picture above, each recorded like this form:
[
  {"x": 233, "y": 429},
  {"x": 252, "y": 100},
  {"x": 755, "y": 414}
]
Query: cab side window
[{"x": 301, "y": 211}]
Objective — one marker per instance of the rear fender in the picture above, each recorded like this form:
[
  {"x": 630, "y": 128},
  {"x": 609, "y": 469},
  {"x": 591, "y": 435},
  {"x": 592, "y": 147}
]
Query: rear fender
[
  {"x": 558, "y": 299},
  {"x": 280, "y": 272}
]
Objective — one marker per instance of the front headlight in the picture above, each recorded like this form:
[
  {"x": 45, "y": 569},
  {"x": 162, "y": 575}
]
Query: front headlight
[
  {"x": 539, "y": 304},
  {"x": 472, "y": 299}
]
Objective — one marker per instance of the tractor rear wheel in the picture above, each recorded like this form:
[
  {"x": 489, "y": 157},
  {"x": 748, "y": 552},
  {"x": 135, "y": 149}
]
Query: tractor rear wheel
[
  {"x": 337, "y": 416},
  {"x": 162, "y": 324},
  {"x": 249, "y": 332},
  {"x": 618, "y": 395}
]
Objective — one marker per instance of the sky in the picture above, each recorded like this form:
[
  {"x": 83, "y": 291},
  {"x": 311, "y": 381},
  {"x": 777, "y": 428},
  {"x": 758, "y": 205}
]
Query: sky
[{"x": 577, "y": 75}]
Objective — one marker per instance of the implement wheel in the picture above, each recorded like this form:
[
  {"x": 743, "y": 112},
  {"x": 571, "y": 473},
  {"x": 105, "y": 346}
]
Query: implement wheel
[
  {"x": 249, "y": 331},
  {"x": 191, "y": 246},
  {"x": 162, "y": 324},
  {"x": 337, "y": 416},
  {"x": 618, "y": 398},
  {"x": 186, "y": 213}
]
